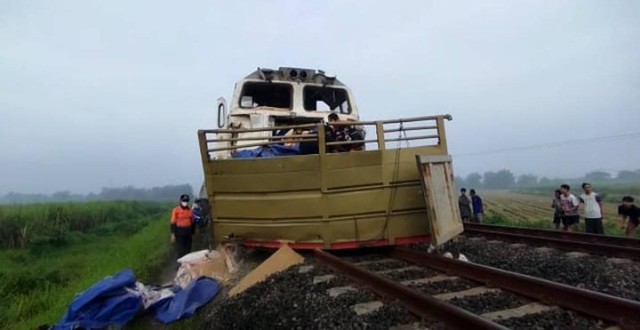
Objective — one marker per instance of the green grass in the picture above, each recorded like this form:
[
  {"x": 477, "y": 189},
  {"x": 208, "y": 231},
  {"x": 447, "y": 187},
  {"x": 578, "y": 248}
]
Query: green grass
[
  {"x": 38, "y": 282},
  {"x": 610, "y": 192},
  {"x": 610, "y": 227},
  {"x": 23, "y": 226}
]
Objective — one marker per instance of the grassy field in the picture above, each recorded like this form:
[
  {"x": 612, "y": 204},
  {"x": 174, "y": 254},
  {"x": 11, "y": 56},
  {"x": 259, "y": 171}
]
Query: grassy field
[
  {"x": 66, "y": 248},
  {"x": 610, "y": 192},
  {"x": 506, "y": 208}
]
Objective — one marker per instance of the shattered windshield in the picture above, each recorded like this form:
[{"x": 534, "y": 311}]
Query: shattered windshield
[
  {"x": 318, "y": 98},
  {"x": 266, "y": 94}
]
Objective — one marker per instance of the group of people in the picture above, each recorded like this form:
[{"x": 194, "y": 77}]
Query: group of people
[
  {"x": 350, "y": 135},
  {"x": 471, "y": 209},
  {"x": 567, "y": 211}
]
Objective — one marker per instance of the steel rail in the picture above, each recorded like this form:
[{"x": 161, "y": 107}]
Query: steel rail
[
  {"x": 413, "y": 300},
  {"x": 563, "y": 243},
  {"x": 583, "y": 237},
  {"x": 624, "y": 312}
]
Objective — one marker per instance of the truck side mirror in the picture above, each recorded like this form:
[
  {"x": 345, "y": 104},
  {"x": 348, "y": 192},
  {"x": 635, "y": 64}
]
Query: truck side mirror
[{"x": 222, "y": 112}]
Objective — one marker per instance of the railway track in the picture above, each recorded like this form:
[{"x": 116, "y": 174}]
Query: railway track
[
  {"x": 463, "y": 295},
  {"x": 614, "y": 246}
]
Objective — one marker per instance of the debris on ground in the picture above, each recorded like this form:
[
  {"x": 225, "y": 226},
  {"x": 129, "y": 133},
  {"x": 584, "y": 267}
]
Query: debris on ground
[
  {"x": 217, "y": 264},
  {"x": 281, "y": 260},
  {"x": 117, "y": 299}
]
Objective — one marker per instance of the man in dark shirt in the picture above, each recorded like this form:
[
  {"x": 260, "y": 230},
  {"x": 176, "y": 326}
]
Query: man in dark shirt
[
  {"x": 629, "y": 214},
  {"x": 478, "y": 206},
  {"x": 343, "y": 133},
  {"x": 465, "y": 205}
]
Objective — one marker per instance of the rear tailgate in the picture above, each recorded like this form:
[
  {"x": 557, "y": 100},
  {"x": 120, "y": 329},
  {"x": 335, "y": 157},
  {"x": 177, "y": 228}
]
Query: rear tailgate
[{"x": 441, "y": 199}]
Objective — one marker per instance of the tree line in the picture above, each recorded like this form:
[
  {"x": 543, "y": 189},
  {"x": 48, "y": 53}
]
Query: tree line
[
  {"x": 129, "y": 193},
  {"x": 506, "y": 179}
]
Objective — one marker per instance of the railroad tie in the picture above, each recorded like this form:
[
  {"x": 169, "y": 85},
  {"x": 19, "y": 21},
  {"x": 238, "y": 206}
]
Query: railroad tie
[
  {"x": 532, "y": 308},
  {"x": 367, "y": 307},
  {"x": 410, "y": 326},
  {"x": 398, "y": 270},
  {"x": 576, "y": 254},
  {"x": 614, "y": 327},
  {"x": 619, "y": 261},
  {"x": 323, "y": 279},
  {"x": 336, "y": 291},
  {"x": 373, "y": 262},
  {"x": 465, "y": 293},
  {"x": 433, "y": 279},
  {"x": 305, "y": 269}
]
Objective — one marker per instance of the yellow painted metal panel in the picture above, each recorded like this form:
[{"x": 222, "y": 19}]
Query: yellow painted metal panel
[
  {"x": 354, "y": 159},
  {"x": 354, "y": 176},
  {"x": 440, "y": 197},
  {"x": 287, "y": 206},
  {"x": 283, "y": 198},
  {"x": 354, "y": 229},
  {"x": 265, "y": 182},
  {"x": 264, "y": 165}
]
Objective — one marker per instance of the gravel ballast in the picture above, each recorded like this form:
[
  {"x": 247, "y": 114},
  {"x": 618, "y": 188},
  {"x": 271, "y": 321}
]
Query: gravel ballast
[
  {"x": 489, "y": 302},
  {"x": 592, "y": 272},
  {"x": 289, "y": 300},
  {"x": 554, "y": 320}
]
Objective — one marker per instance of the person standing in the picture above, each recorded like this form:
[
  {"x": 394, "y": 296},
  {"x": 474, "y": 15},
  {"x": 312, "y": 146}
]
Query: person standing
[
  {"x": 593, "y": 210},
  {"x": 630, "y": 215},
  {"x": 478, "y": 207},
  {"x": 182, "y": 227},
  {"x": 465, "y": 205},
  {"x": 556, "y": 205},
  {"x": 570, "y": 205}
]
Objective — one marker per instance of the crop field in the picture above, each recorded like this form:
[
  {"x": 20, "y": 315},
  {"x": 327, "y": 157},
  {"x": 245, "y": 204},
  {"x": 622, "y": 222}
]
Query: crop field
[
  {"x": 51, "y": 252},
  {"x": 506, "y": 208},
  {"x": 610, "y": 192}
]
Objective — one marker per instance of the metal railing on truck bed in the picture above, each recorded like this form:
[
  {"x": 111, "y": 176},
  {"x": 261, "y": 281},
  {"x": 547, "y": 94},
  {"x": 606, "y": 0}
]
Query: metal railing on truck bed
[
  {"x": 323, "y": 199},
  {"x": 426, "y": 131}
]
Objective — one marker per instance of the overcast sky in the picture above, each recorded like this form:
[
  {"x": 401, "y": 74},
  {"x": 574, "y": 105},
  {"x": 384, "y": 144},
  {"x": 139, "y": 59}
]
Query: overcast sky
[{"x": 111, "y": 93}]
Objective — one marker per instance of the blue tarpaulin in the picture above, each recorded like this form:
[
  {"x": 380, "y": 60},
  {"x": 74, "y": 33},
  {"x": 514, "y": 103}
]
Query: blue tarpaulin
[
  {"x": 105, "y": 303},
  {"x": 116, "y": 300},
  {"x": 267, "y": 151},
  {"x": 186, "y": 301}
]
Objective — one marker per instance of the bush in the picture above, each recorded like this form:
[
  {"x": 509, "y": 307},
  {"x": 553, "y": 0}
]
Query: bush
[{"x": 41, "y": 225}]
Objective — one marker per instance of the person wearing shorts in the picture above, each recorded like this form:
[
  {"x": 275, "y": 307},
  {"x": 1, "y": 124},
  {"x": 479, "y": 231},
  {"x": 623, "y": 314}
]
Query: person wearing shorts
[
  {"x": 570, "y": 205},
  {"x": 556, "y": 205},
  {"x": 630, "y": 215}
]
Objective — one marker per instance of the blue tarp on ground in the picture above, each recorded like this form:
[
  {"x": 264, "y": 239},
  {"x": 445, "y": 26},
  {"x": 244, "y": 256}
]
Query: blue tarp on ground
[
  {"x": 267, "y": 151},
  {"x": 116, "y": 300},
  {"x": 185, "y": 302},
  {"x": 105, "y": 303}
]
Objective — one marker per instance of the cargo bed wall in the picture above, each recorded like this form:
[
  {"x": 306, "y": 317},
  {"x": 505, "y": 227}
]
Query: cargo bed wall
[{"x": 326, "y": 199}]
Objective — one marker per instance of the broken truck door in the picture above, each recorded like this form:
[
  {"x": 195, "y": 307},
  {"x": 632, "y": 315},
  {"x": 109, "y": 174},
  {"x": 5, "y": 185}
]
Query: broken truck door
[{"x": 436, "y": 173}]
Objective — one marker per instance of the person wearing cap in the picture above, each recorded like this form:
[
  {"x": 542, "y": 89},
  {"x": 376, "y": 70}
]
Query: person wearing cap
[{"x": 182, "y": 227}]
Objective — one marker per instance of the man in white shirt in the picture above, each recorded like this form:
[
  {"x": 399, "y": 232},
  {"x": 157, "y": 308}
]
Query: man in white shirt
[
  {"x": 593, "y": 211},
  {"x": 570, "y": 205}
]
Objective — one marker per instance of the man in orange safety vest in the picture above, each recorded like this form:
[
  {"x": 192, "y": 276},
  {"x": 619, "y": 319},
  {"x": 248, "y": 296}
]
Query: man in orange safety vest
[{"x": 182, "y": 227}]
